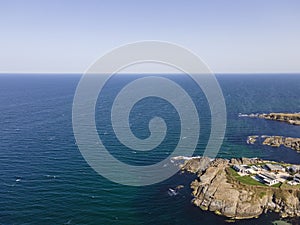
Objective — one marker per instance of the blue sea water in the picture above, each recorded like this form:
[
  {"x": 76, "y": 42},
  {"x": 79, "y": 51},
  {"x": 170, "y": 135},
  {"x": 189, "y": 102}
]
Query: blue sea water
[{"x": 45, "y": 180}]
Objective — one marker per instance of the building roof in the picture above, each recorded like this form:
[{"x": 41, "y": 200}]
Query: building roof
[
  {"x": 240, "y": 167},
  {"x": 274, "y": 166},
  {"x": 295, "y": 167},
  {"x": 269, "y": 176}
]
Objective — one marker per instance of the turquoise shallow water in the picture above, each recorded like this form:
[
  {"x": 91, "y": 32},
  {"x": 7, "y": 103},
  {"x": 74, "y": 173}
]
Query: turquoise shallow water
[{"x": 45, "y": 180}]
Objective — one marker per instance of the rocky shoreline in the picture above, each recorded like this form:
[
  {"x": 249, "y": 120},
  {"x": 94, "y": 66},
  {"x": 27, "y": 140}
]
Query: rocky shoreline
[
  {"x": 216, "y": 190},
  {"x": 290, "y": 118},
  {"x": 276, "y": 141}
]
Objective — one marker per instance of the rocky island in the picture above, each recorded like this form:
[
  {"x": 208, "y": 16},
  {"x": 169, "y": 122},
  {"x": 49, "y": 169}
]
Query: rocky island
[
  {"x": 244, "y": 188},
  {"x": 290, "y": 118},
  {"x": 276, "y": 141}
]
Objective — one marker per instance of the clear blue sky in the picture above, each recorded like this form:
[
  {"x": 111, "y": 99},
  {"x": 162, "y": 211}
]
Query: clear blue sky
[{"x": 229, "y": 35}]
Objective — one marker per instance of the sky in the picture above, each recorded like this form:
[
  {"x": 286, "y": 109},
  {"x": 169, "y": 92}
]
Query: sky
[{"x": 230, "y": 36}]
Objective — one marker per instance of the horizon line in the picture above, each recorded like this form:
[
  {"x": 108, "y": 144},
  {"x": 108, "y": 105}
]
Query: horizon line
[{"x": 143, "y": 73}]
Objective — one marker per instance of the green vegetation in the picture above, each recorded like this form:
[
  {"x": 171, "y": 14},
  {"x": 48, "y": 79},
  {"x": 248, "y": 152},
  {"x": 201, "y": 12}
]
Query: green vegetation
[
  {"x": 249, "y": 180},
  {"x": 276, "y": 185},
  {"x": 258, "y": 164},
  {"x": 244, "y": 179},
  {"x": 287, "y": 186},
  {"x": 262, "y": 194}
]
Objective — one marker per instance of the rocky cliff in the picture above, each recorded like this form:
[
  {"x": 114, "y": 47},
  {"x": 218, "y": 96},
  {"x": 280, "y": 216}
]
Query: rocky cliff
[{"x": 217, "y": 190}]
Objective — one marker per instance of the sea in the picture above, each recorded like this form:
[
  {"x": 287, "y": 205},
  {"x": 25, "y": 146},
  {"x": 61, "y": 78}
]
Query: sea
[{"x": 45, "y": 180}]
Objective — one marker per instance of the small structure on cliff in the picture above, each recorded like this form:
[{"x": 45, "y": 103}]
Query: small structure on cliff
[
  {"x": 274, "y": 167},
  {"x": 267, "y": 178},
  {"x": 294, "y": 168},
  {"x": 297, "y": 178},
  {"x": 239, "y": 168}
]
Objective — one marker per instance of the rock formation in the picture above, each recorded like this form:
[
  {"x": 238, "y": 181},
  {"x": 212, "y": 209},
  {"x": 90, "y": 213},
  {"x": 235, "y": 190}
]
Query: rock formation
[
  {"x": 277, "y": 141},
  {"x": 216, "y": 190},
  {"x": 290, "y": 118}
]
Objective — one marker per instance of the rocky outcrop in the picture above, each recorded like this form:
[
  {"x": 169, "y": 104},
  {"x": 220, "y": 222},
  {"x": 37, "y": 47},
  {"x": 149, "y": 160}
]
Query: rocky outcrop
[
  {"x": 235, "y": 161},
  {"x": 195, "y": 165},
  {"x": 218, "y": 191},
  {"x": 290, "y": 118},
  {"x": 277, "y": 141},
  {"x": 251, "y": 139}
]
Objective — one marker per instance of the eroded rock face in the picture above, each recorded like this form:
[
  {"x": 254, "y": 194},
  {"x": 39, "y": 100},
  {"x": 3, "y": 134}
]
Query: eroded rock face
[{"x": 214, "y": 190}]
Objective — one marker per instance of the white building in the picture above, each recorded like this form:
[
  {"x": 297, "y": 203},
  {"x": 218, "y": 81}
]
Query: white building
[
  {"x": 275, "y": 167},
  {"x": 267, "y": 178},
  {"x": 297, "y": 178},
  {"x": 294, "y": 168},
  {"x": 239, "y": 168},
  {"x": 255, "y": 168}
]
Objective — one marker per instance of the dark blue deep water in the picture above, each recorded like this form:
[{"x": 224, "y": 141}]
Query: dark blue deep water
[{"x": 45, "y": 180}]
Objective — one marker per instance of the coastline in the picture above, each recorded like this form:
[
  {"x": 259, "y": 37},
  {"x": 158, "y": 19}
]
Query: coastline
[{"x": 216, "y": 189}]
